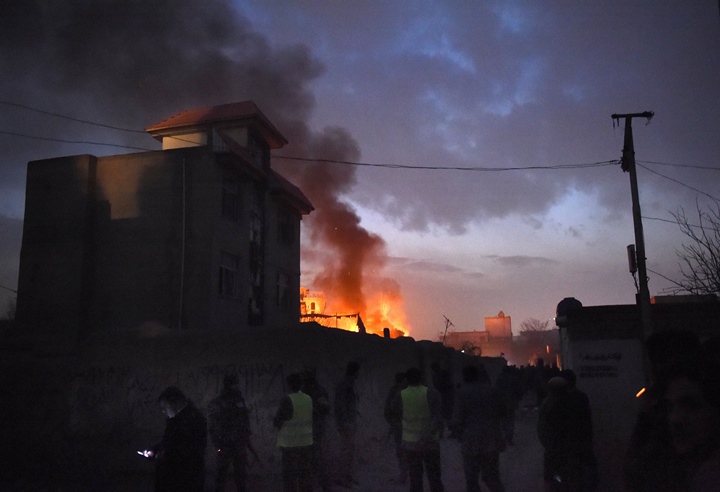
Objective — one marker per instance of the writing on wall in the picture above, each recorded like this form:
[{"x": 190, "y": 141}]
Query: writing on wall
[{"x": 599, "y": 364}]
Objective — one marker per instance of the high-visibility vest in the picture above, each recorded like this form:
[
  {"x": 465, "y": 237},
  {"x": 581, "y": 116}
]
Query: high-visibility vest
[
  {"x": 298, "y": 430},
  {"x": 416, "y": 413}
]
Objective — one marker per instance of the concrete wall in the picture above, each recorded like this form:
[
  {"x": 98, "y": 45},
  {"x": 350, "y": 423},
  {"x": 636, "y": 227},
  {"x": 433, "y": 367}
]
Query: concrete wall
[
  {"x": 611, "y": 372},
  {"x": 604, "y": 346},
  {"x": 74, "y": 411},
  {"x": 55, "y": 240}
]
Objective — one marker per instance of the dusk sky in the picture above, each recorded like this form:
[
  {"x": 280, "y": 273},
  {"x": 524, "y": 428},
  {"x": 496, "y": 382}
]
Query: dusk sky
[{"x": 487, "y": 161}]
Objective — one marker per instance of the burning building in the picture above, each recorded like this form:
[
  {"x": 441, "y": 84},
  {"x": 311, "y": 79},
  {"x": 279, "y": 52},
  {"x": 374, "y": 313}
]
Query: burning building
[
  {"x": 312, "y": 309},
  {"x": 311, "y": 303},
  {"x": 203, "y": 234}
]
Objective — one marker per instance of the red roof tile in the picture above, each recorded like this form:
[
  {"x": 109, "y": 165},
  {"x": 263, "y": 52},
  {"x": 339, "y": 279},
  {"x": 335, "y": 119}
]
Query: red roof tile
[{"x": 239, "y": 111}]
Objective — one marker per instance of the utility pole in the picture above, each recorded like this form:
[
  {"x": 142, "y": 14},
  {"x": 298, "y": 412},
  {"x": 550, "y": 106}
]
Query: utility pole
[
  {"x": 628, "y": 165},
  {"x": 448, "y": 324}
]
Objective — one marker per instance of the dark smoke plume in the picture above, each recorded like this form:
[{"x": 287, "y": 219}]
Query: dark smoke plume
[{"x": 132, "y": 63}]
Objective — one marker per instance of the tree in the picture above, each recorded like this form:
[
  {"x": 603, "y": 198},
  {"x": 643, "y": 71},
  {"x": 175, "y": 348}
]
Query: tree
[
  {"x": 536, "y": 332},
  {"x": 541, "y": 339},
  {"x": 533, "y": 325},
  {"x": 470, "y": 348},
  {"x": 700, "y": 256}
]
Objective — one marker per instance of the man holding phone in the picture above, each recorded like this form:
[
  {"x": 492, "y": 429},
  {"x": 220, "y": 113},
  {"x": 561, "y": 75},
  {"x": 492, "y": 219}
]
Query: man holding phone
[{"x": 180, "y": 454}]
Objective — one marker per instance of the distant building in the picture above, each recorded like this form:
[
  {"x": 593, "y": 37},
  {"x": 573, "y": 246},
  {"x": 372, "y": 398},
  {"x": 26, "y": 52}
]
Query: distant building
[
  {"x": 497, "y": 340},
  {"x": 498, "y": 327},
  {"x": 312, "y": 302},
  {"x": 468, "y": 340},
  {"x": 201, "y": 235}
]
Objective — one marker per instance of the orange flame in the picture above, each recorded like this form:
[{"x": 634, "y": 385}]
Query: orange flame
[{"x": 385, "y": 310}]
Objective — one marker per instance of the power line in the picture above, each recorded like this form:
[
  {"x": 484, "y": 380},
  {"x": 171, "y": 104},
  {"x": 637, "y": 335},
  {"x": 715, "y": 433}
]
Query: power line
[
  {"x": 305, "y": 159},
  {"x": 34, "y": 137},
  {"x": 451, "y": 168},
  {"x": 659, "y": 219},
  {"x": 678, "y": 182},
  {"x": 690, "y": 166},
  {"x": 675, "y": 222},
  {"x": 349, "y": 163},
  {"x": 661, "y": 275},
  {"x": 335, "y": 161},
  {"x": 57, "y": 115},
  {"x": 8, "y": 288}
]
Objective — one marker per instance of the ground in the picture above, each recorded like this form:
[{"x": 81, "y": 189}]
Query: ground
[
  {"x": 520, "y": 464},
  {"x": 520, "y": 467}
]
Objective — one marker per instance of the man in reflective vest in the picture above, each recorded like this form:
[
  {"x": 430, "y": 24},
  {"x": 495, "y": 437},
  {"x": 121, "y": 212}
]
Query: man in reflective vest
[
  {"x": 421, "y": 410},
  {"x": 294, "y": 421}
]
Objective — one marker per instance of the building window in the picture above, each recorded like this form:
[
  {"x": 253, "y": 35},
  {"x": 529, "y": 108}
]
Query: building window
[
  {"x": 286, "y": 227},
  {"x": 231, "y": 199},
  {"x": 283, "y": 291},
  {"x": 229, "y": 275}
]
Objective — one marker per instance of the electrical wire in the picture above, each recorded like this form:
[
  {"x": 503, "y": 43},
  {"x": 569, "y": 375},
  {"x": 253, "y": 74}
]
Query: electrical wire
[
  {"x": 8, "y": 288},
  {"x": 335, "y": 161},
  {"x": 57, "y": 115},
  {"x": 689, "y": 166},
  {"x": 662, "y": 220},
  {"x": 350, "y": 163},
  {"x": 452, "y": 168},
  {"x": 660, "y": 275},
  {"x": 82, "y": 142},
  {"x": 678, "y": 182}
]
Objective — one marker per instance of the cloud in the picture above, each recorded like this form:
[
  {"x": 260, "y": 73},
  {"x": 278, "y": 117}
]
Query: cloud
[
  {"x": 430, "y": 267},
  {"x": 553, "y": 84},
  {"x": 441, "y": 84},
  {"x": 573, "y": 232},
  {"x": 409, "y": 267},
  {"x": 523, "y": 261}
]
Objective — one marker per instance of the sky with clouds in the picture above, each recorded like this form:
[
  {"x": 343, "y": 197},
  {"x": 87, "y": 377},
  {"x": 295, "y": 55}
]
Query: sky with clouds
[{"x": 488, "y": 153}]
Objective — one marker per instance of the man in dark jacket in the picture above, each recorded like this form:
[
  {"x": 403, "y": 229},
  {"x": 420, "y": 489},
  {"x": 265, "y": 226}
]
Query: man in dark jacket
[
  {"x": 508, "y": 386},
  {"x": 229, "y": 429},
  {"x": 393, "y": 416},
  {"x": 565, "y": 432},
  {"x": 346, "y": 413},
  {"x": 579, "y": 431},
  {"x": 321, "y": 409},
  {"x": 478, "y": 419},
  {"x": 180, "y": 455}
]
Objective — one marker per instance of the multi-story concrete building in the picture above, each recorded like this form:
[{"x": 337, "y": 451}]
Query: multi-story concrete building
[{"x": 200, "y": 235}]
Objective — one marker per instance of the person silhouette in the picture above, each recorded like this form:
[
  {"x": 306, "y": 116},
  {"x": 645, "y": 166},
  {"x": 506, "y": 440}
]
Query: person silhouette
[
  {"x": 229, "y": 429},
  {"x": 180, "y": 454}
]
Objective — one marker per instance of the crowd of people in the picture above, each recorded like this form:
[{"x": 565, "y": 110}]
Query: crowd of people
[
  {"x": 675, "y": 445},
  {"x": 300, "y": 421},
  {"x": 418, "y": 415}
]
